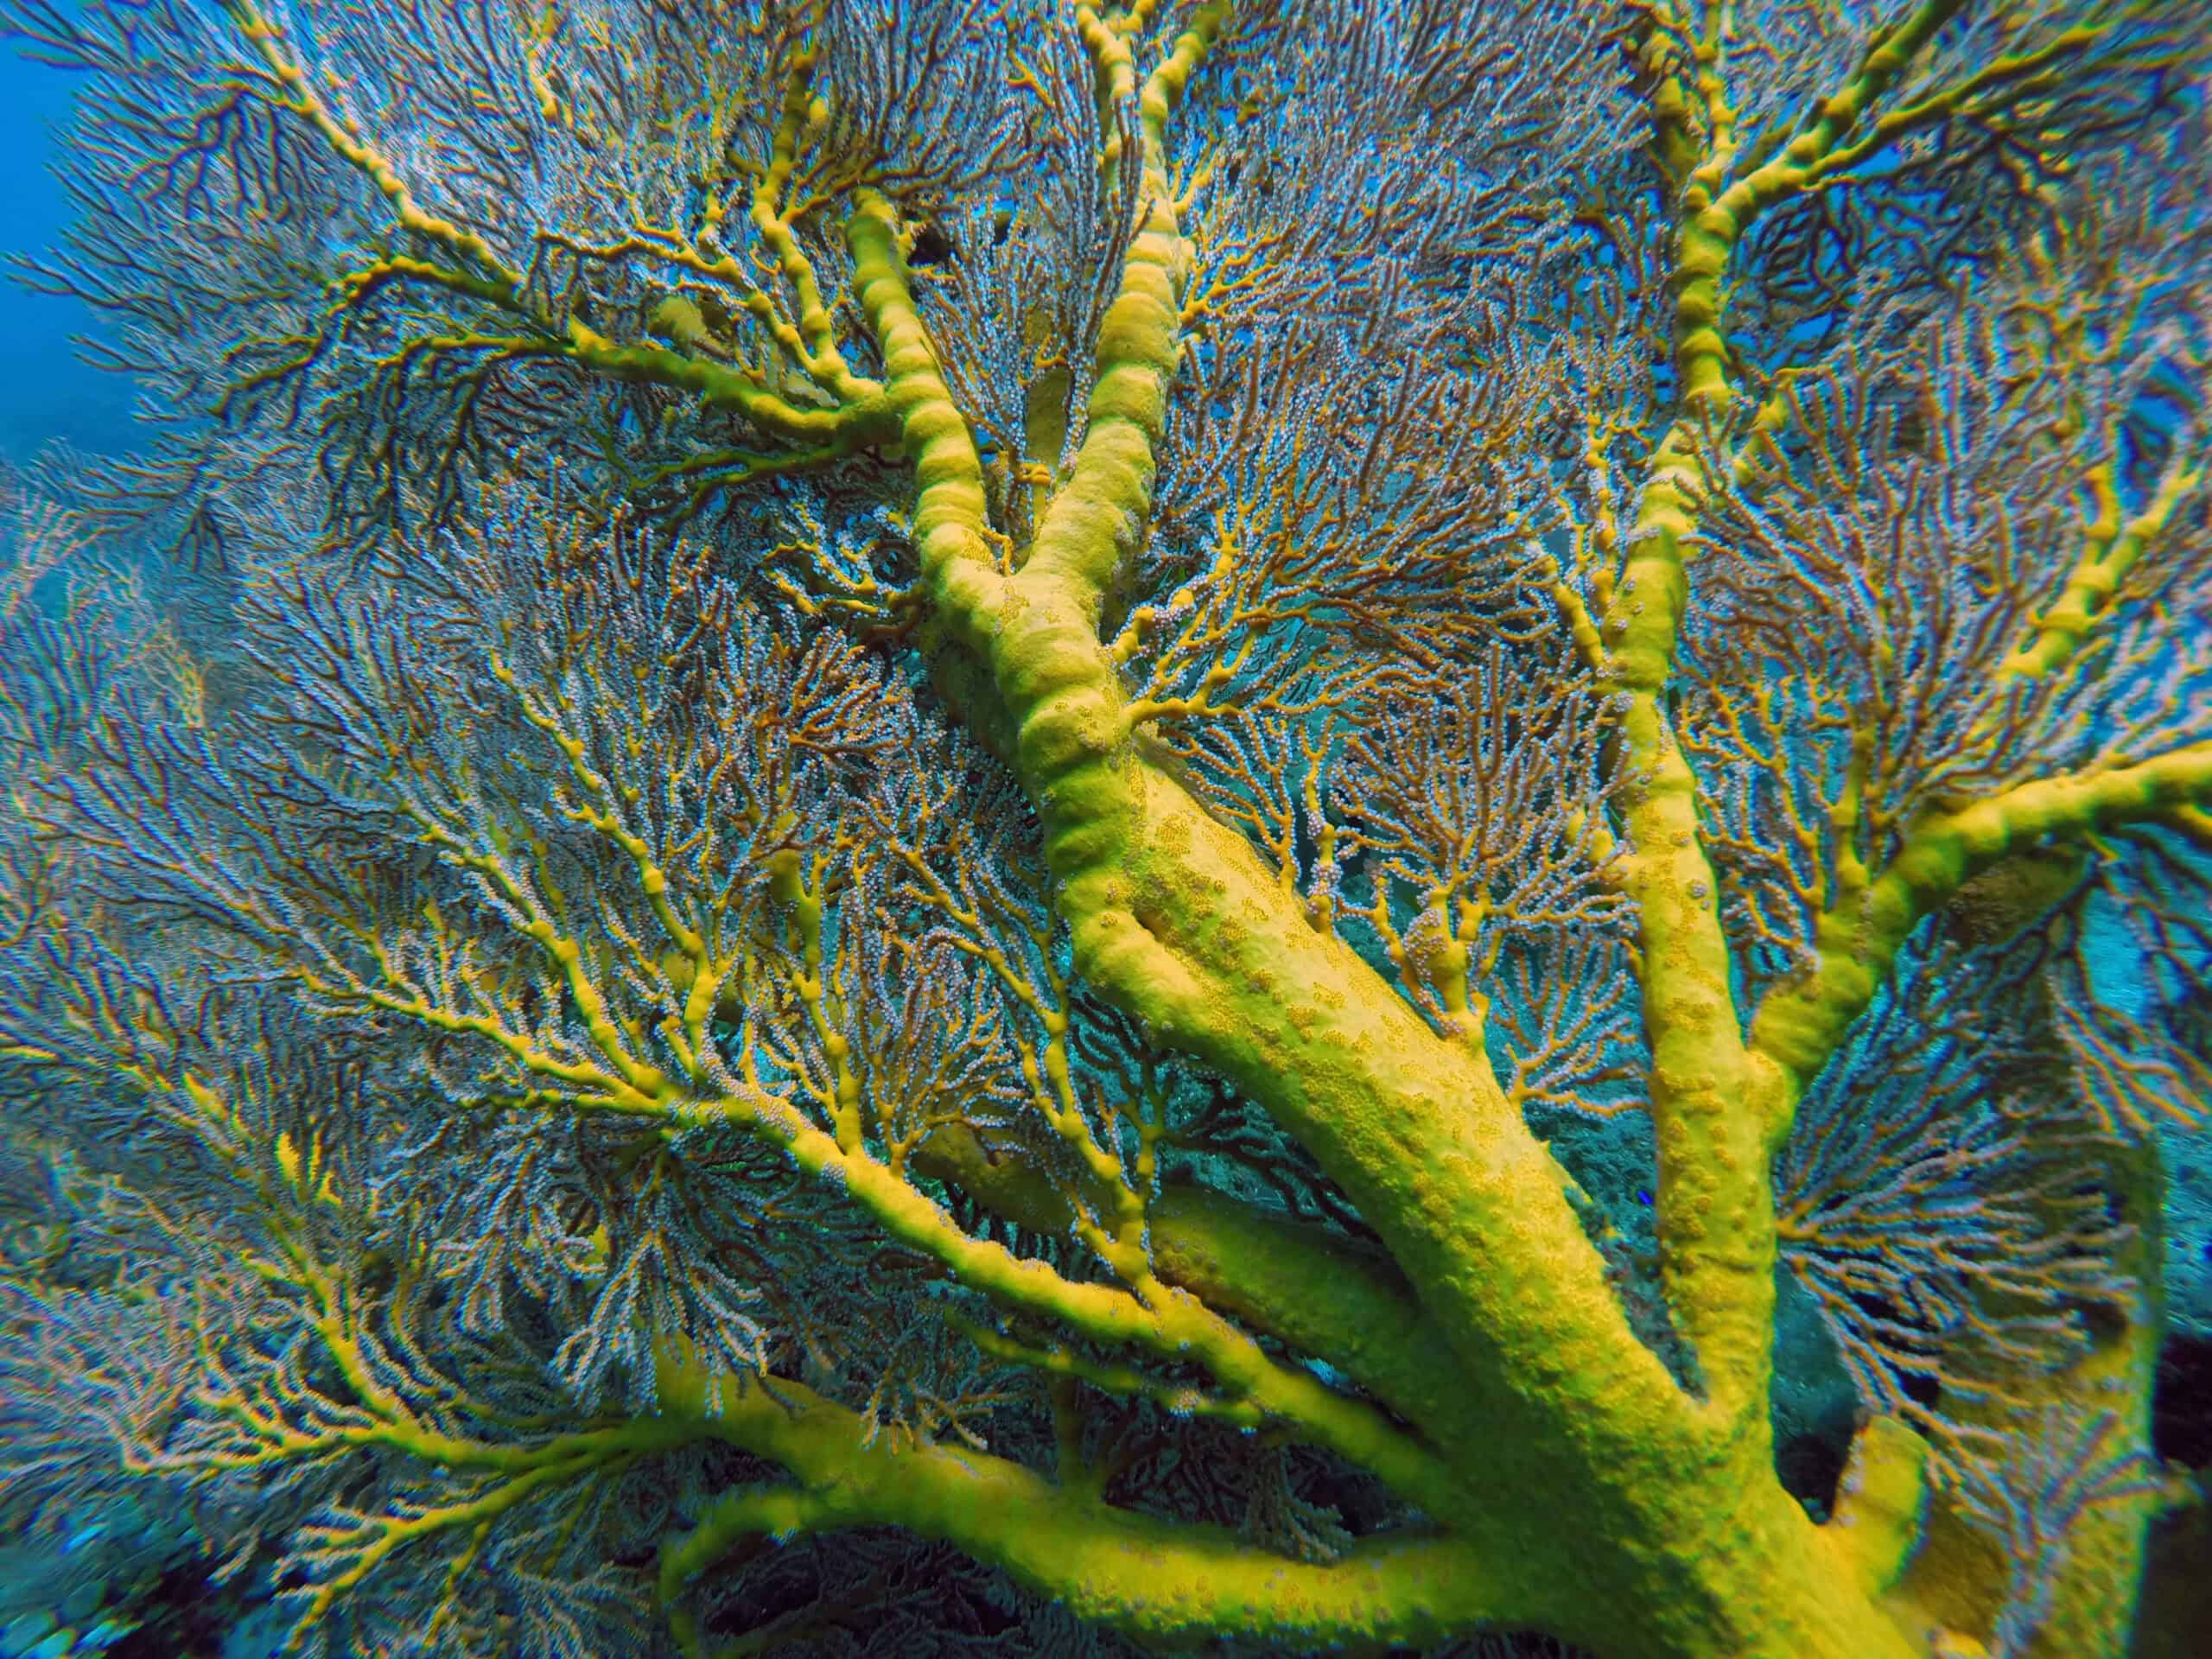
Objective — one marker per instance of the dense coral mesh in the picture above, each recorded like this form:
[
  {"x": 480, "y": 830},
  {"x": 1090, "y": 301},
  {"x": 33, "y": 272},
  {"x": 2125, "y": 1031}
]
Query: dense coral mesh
[{"x": 962, "y": 826}]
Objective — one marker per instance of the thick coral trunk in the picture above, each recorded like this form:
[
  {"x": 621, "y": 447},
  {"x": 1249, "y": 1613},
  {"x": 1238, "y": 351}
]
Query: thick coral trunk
[
  {"x": 1636, "y": 1520},
  {"x": 1605, "y": 1503}
]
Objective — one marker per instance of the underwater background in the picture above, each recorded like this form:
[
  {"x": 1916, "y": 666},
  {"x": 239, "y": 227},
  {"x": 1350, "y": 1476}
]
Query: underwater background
[{"x": 47, "y": 393}]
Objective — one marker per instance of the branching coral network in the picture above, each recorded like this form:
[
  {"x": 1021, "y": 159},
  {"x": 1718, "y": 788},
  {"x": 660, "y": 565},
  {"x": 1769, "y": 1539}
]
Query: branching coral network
[{"x": 1026, "y": 825}]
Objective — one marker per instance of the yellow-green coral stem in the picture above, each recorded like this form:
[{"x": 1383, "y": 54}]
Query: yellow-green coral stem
[
  {"x": 1166, "y": 1581},
  {"x": 2112, "y": 549},
  {"x": 1472, "y": 1208},
  {"x": 1801, "y": 1022},
  {"x": 1797, "y": 169},
  {"x": 1111, "y": 486},
  {"x": 860, "y": 420},
  {"x": 949, "y": 518},
  {"x": 776, "y": 231},
  {"x": 1169, "y": 1323},
  {"x": 1713, "y": 1101},
  {"x": 1326, "y": 1296},
  {"x": 1175, "y": 1584},
  {"x": 1661, "y": 1530},
  {"x": 848, "y": 429},
  {"x": 1316, "y": 1291},
  {"x": 1713, "y": 1208}
]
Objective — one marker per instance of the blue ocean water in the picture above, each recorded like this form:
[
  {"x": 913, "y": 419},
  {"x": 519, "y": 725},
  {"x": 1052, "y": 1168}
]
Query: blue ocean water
[{"x": 47, "y": 391}]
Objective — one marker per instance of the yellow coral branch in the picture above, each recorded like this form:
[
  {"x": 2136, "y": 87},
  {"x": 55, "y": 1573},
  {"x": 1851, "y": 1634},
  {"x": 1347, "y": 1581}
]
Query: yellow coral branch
[
  {"x": 1160, "y": 1580},
  {"x": 2111, "y": 549},
  {"x": 1800, "y": 1023},
  {"x": 859, "y": 422}
]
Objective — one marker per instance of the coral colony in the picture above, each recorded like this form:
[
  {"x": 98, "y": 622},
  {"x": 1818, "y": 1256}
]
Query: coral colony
[{"x": 1037, "y": 827}]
